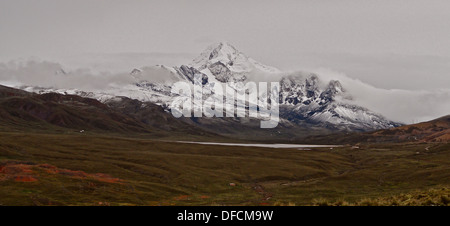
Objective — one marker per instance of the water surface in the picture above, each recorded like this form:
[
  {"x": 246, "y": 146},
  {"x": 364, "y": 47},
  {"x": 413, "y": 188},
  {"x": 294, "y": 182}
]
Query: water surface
[{"x": 264, "y": 145}]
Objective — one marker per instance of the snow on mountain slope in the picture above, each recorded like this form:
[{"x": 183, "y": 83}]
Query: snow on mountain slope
[
  {"x": 227, "y": 55},
  {"x": 309, "y": 99},
  {"x": 223, "y": 62},
  {"x": 304, "y": 97}
]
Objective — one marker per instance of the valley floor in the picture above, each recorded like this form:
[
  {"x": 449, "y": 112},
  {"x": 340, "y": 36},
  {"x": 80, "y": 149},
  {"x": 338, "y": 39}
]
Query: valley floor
[{"x": 90, "y": 169}]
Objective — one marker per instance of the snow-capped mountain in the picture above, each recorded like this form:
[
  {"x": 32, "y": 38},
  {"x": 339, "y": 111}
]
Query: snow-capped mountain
[
  {"x": 226, "y": 63},
  {"x": 305, "y": 98}
]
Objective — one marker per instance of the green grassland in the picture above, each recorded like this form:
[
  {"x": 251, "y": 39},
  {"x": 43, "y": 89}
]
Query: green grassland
[{"x": 161, "y": 172}]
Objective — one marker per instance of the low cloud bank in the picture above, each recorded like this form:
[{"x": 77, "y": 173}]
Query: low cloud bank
[
  {"x": 405, "y": 106},
  {"x": 53, "y": 75}
]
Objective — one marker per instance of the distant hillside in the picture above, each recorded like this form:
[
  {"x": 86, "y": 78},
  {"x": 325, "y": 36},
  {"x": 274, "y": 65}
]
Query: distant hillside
[
  {"x": 437, "y": 130},
  {"x": 20, "y": 110},
  {"x": 24, "y": 111}
]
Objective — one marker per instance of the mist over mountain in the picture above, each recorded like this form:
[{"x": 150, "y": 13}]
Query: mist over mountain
[{"x": 223, "y": 62}]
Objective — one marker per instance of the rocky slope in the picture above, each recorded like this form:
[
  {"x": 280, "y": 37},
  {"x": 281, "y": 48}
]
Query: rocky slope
[
  {"x": 304, "y": 97},
  {"x": 306, "y": 100},
  {"x": 20, "y": 110}
]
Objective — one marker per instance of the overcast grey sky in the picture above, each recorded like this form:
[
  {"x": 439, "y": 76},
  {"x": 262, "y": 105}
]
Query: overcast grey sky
[{"x": 386, "y": 43}]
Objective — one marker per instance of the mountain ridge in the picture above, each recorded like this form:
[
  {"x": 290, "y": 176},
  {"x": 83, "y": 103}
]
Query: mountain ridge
[
  {"x": 305, "y": 98},
  {"x": 21, "y": 110}
]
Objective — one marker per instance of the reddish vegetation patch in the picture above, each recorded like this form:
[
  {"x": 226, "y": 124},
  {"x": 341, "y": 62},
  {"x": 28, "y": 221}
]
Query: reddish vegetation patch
[
  {"x": 16, "y": 169},
  {"x": 182, "y": 197},
  {"x": 103, "y": 204},
  {"x": 29, "y": 172},
  {"x": 204, "y": 197},
  {"x": 25, "y": 178},
  {"x": 106, "y": 178},
  {"x": 20, "y": 172}
]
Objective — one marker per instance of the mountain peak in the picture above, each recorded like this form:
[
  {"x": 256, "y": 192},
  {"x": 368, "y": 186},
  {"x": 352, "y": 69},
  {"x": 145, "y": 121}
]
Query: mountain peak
[
  {"x": 226, "y": 54},
  {"x": 222, "y": 52},
  {"x": 222, "y": 49}
]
